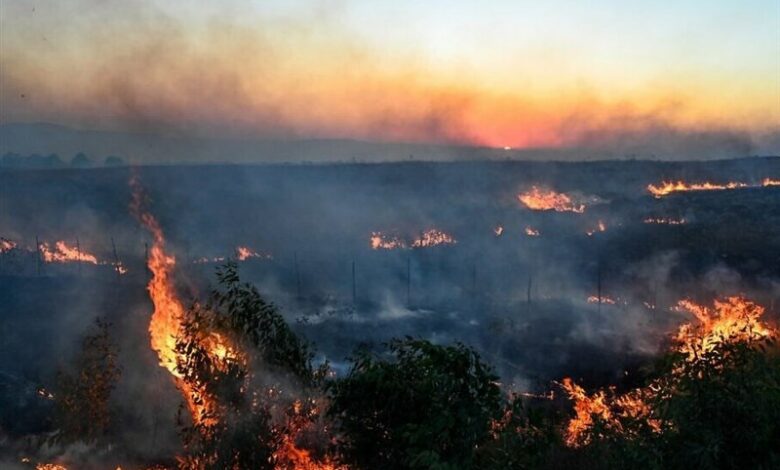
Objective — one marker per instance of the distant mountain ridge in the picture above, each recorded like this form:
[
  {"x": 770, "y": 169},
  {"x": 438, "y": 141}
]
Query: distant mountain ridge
[{"x": 146, "y": 148}]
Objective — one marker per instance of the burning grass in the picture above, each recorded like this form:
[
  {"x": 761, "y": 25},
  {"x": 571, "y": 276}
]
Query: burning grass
[{"x": 538, "y": 199}]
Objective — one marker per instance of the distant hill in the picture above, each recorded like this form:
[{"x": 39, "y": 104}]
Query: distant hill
[{"x": 146, "y": 148}]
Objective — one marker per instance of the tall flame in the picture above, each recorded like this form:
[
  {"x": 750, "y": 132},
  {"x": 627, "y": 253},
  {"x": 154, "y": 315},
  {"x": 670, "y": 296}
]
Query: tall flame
[{"x": 166, "y": 323}]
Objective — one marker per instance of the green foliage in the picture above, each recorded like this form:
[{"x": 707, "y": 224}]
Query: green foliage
[
  {"x": 724, "y": 406},
  {"x": 522, "y": 439},
  {"x": 82, "y": 398},
  {"x": 238, "y": 429},
  {"x": 428, "y": 407},
  {"x": 239, "y": 308},
  {"x": 720, "y": 410}
]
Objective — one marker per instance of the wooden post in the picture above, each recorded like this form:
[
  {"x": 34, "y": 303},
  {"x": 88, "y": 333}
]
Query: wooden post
[
  {"x": 598, "y": 282},
  {"x": 408, "y": 281},
  {"x": 297, "y": 276},
  {"x": 116, "y": 260},
  {"x": 38, "y": 255},
  {"x": 354, "y": 288},
  {"x": 78, "y": 256}
]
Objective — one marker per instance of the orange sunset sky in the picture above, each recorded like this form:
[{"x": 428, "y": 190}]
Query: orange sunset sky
[{"x": 493, "y": 73}]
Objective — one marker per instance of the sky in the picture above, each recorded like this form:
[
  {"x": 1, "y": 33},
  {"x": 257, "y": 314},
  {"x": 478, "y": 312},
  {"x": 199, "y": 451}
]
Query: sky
[{"x": 519, "y": 74}]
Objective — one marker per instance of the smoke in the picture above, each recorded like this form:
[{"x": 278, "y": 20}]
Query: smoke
[
  {"x": 178, "y": 86},
  {"x": 520, "y": 301}
]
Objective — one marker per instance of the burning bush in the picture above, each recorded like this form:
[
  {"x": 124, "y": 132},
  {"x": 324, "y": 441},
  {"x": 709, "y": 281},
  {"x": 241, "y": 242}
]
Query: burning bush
[
  {"x": 712, "y": 402},
  {"x": 251, "y": 375}
]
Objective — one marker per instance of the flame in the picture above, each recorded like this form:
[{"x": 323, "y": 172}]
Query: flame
[
  {"x": 601, "y": 227},
  {"x": 733, "y": 318},
  {"x": 499, "y": 230},
  {"x": 380, "y": 241},
  {"x": 608, "y": 408},
  {"x": 289, "y": 455},
  {"x": 64, "y": 253},
  {"x": 433, "y": 237},
  {"x": 664, "y": 221},
  {"x": 166, "y": 323},
  {"x": 545, "y": 200},
  {"x": 594, "y": 299},
  {"x": 668, "y": 187},
  {"x": 770, "y": 182},
  {"x": 531, "y": 232},
  {"x": 6, "y": 245},
  {"x": 50, "y": 466},
  {"x": 243, "y": 253},
  {"x": 585, "y": 407}
]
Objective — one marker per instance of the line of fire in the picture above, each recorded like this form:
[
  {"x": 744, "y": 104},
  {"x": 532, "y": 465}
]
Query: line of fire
[{"x": 486, "y": 315}]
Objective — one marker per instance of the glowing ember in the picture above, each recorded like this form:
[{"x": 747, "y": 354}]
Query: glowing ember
[
  {"x": 664, "y": 221},
  {"x": 289, "y": 455},
  {"x": 545, "y": 200},
  {"x": 601, "y": 227},
  {"x": 669, "y": 187},
  {"x": 244, "y": 253},
  {"x": 499, "y": 230},
  {"x": 531, "y": 232},
  {"x": 64, "y": 253},
  {"x": 433, "y": 237},
  {"x": 380, "y": 241},
  {"x": 594, "y": 299},
  {"x": 733, "y": 319},
  {"x": 6, "y": 245}
]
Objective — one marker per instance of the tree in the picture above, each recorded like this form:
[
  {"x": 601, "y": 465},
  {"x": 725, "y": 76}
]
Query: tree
[
  {"x": 82, "y": 398},
  {"x": 428, "y": 406},
  {"x": 262, "y": 374}
]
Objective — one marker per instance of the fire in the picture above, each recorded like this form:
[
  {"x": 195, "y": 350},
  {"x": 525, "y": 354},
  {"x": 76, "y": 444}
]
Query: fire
[
  {"x": 594, "y": 299},
  {"x": 50, "y": 466},
  {"x": 733, "y": 318},
  {"x": 668, "y": 187},
  {"x": 380, "y": 241},
  {"x": 545, "y": 200},
  {"x": 601, "y": 227},
  {"x": 289, "y": 454},
  {"x": 166, "y": 323},
  {"x": 499, "y": 230},
  {"x": 770, "y": 182},
  {"x": 433, "y": 237},
  {"x": 64, "y": 253},
  {"x": 664, "y": 221},
  {"x": 6, "y": 245},
  {"x": 531, "y": 232},
  {"x": 243, "y": 253},
  {"x": 585, "y": 408},
  {"x": 605, "y": 407}
]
